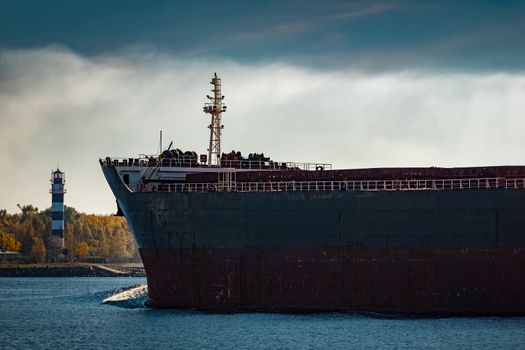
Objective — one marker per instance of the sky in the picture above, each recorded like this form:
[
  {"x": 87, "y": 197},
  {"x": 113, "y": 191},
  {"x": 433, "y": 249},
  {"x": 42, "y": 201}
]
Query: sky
[{"x": 352, "y": 83}]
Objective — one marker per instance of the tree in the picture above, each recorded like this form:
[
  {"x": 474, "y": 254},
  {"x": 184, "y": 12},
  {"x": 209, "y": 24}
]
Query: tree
[
  {"x": 81, "y": 249},
  {"x": 104, "y": 235},
  {"x": 4, "y": 217},
  {"x": 9, "y": 242},
  {"x": 38, "y": 250}
]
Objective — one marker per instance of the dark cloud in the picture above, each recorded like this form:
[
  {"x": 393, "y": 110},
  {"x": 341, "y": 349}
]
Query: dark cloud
[{"x": 377, "y": 35}]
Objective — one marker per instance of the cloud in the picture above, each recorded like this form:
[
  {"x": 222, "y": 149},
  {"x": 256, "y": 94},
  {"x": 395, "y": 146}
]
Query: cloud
[
  {"x": 307, "y": 22},
  {"x": 59, "y": 107}
]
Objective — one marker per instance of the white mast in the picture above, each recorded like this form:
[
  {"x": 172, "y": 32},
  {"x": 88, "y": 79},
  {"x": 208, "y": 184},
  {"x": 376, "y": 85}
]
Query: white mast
[{"x": 215, "y": 108}]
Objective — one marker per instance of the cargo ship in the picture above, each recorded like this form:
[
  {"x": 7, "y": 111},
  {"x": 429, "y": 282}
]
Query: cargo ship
[{"x": 226, "y": 233}]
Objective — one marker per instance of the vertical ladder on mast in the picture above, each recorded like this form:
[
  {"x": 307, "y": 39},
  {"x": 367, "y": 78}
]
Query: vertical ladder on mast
[{"x": 227, "y": 181}]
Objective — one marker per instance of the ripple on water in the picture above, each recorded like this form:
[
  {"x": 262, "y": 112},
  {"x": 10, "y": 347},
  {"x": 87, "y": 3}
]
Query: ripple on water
[{"x": 47, "y": 313}]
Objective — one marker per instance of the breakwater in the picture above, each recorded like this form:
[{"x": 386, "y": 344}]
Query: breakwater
[{"x": 71, "y": 270}]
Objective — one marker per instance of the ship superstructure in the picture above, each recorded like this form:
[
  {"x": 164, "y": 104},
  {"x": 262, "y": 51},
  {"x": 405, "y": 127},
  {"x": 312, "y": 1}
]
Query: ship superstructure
[{"x": 229, "y": 232}]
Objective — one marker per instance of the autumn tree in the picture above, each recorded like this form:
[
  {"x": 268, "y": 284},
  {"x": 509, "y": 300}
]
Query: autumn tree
[
  {"x": 9, "y": 242},
  {"x": 38, "y": 250},
  {"x": 81, "y": 249},
  {"x": 104, "y": 235}
]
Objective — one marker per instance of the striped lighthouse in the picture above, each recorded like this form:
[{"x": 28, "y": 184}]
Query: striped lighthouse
[{"x": 57, "y": 191}]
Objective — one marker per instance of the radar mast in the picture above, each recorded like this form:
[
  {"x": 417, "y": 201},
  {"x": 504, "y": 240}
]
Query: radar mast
[{"x": 215, "y": 108}]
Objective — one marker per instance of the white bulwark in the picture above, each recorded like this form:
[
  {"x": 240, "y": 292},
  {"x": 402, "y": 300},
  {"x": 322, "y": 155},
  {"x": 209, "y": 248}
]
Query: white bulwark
[{"x": 57, "y": 191}]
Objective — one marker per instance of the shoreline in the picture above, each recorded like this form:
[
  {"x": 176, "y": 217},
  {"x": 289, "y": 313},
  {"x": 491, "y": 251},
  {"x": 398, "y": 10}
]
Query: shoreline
[{"x": 72, "y": 270}]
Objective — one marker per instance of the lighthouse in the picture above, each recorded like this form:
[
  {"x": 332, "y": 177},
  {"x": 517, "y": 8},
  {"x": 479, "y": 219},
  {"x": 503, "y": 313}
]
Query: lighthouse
[{"x": 57, "y": 191}]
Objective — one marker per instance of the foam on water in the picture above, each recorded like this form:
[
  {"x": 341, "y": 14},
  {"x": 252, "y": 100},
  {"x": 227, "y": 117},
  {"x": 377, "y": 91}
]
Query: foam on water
[{"x": 128, "y": 297}]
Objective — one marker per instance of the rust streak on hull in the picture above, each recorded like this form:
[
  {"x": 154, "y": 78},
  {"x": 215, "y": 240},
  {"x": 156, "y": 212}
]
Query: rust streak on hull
[{"x": 417, "y": 281}]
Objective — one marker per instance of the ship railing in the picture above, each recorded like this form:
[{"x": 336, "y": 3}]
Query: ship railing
[
  {"x": 142, "y": 161},
  {"x": 273, "y": 165},
  {"x": 192, "y": 162},
  {"x": 356, "y": 185}
]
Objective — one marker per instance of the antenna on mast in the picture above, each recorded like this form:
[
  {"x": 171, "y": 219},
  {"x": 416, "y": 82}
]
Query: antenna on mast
[
  {"x": 160, "y": 143},
  {"x": 215, "y": 108}
]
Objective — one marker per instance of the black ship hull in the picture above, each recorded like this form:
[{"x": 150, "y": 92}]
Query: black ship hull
[{"x": 458, "y": 252}]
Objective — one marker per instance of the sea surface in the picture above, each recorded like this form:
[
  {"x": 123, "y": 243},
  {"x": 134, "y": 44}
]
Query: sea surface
[{"x": 68, "y": 313}]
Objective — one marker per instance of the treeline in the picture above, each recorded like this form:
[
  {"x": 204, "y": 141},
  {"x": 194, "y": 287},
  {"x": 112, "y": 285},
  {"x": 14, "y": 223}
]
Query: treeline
[{"x": 29, "y": 234}]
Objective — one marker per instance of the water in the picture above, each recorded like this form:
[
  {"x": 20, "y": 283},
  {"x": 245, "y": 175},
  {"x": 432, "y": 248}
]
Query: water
[{"x": 48, "y": 313}]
